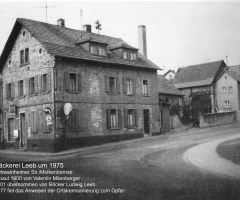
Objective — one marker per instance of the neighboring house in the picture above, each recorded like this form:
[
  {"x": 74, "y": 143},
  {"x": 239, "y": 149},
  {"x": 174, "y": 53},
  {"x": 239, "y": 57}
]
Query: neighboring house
[
  {"x": 171, "y": 102},
  {"x": 196, "y": 82},
  {"x": 110, "y": 86},
  {"x": 169, "y": 75},
  {"x": 227, "y": 91}
]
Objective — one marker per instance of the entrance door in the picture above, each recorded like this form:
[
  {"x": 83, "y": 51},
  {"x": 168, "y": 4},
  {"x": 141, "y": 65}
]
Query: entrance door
[
  {"x": 10, "y": 129},
  {"x": 146, "y": 120},
  {"x": 23, "y": 136}
]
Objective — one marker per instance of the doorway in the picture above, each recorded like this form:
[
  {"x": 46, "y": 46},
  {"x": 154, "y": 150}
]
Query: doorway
[
  {"x": 23, "y": 136},
  {"x": 10, "y": 129},
  {"x": 146, "y": 121}
]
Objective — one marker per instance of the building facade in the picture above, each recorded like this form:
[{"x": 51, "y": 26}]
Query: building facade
[
  {"x": 227, "y": 91},
  {"x": 109, "y": 85},
  {"x": 196, "y": 82}
]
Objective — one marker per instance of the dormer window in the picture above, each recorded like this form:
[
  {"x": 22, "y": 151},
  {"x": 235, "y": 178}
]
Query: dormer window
[
  {"x": 129, "y": 55},
  {"x": 97, "y": 49}
]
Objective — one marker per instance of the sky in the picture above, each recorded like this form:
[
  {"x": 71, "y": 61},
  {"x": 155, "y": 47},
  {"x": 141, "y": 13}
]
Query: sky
[{"x": 179, "y": 33}]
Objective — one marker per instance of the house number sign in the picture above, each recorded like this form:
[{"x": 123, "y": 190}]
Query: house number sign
[{"x": 48, "y": 118}]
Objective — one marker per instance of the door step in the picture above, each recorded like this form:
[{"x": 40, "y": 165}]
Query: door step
[{"x": 22, "y": 149}]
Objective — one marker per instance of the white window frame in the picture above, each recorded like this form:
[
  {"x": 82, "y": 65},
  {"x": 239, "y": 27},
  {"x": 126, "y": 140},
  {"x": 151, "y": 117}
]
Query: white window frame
[
  {"x": 230, "y": 89},
  {"x": 114, "y": 118},
  {"x": 145, "y": 87},
  {"x": 129, "y": 86},
  {"x": 227, "y": 104},
  {"x": 224, "y": 89}
]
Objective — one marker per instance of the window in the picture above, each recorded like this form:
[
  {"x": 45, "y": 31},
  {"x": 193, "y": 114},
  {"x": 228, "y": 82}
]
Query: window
[
  {"x": 230, "y": 89},
  {"x": 9, "y": 62},
  {"x": 31, "y": 86},
  {"x": 227, "y": 104},
  {"x": 129, "y": 55},
  {"x": 73, "y": 82},
  {"x": 224, "y": 89},
  {"x": 145, "y": 87},
  {"x": 9, "y": 90},
  {"x": 20, "y": 88},
  {"x": 98, "y": 50},
  {"x": 112, "y": 84},
  {"x": 130, "y": 118},
  {"x": 129, "y": 86},
  {"x": 40, "y": 51},
  {"x": 24, "y": 33},
  {"x": 24, "y": 56},
  {"x": 114, "y": 118},
  {"x": 44, "y": 83}
]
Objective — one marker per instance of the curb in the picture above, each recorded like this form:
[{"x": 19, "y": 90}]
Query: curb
[{"x": 173, "y": 133}]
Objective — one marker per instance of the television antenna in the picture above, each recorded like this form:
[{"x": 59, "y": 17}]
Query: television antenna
[{"x": 46, "y": 7}]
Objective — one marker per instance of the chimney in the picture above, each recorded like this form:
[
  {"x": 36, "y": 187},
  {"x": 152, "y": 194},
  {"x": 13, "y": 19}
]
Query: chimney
[
  {"x": 61, "y": 22},
  {"x": 142, "y": 41},
  {"x": 87, "y": 28}
]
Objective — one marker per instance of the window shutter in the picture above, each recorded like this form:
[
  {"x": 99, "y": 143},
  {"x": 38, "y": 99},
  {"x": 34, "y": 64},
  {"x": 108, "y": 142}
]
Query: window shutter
[
  {"x": 49, "y": 88},
  {"x": 117, "y": 85},
  {"x": 119, "y": 118},
  {"x": 79, "y": 82},
  {"x": 34, "y": 121},
  {"x": 73, "y": 120},
  {"x": 136, "y": 117},
  {"x": 35, "y": 84},
  {"x": 6, "y": 88},
  {"x": 39, "y": 120},
  {"x": 40, "y": 83},
  {"x": 148, "y": 88},
  {"x": 107, "y": 84},
  {"x": 109, "y": 118},
  {"x": 134, "y": 81},
  {"x": 125, "y": 118},
  {"x": 124, "y": 86},
  {"x": 55, "y": 79},
  {"x": 77, "y": 119},
  {"x": 67, "y": 86},
  {"x": 26, "y": 86},
  {"x": 12, "y": 90}
]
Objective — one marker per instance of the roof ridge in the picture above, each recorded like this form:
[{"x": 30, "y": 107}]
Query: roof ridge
[
  {"x": 199, "y": 64},
  {"x": 55, "y": 25}
]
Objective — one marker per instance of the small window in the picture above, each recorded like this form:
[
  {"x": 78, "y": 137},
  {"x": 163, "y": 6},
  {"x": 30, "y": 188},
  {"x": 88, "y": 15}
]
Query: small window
[
  {"x": 9, "y": 62},
  {"x": 124, "y": 55},
  {"x": 31, "y": 86},
  {"x": 230, "y": 89},
  {"x": 227, "y": 104},
  {"x": 112, "y": 84},
  {"x": 9, "y": 90},
  {"x": 224, "y": 89},
  {"x": 24, "y": 33},
  {"x": 40, "y": 51},
  {"x": 73, "y": 82},
  {"x": 129, "y": 86},
  {"x": 24, "y": 56},
  {"x": 44, "y": 83},
  {"x": 145, "y": 87},
  {"x": 20, "y": 88}
]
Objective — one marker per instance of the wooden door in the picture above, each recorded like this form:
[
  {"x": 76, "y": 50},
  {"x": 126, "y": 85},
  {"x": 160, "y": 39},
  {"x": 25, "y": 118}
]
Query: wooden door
[{"x": 146, "y": 121}]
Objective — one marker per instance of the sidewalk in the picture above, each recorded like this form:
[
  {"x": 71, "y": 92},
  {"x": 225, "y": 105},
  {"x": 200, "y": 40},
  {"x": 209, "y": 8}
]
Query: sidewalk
[
  {"x": 183, "y": 131},
  {"x": 205, "y": 157}
]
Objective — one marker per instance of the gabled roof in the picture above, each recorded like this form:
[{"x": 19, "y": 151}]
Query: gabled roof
[
  {"x": 165, "y": 87},
  {"x": 61, "y": 41},
  {"x": 234, "y": 75},
  {"x": 169, "y": 72},
  {"x": 197, "y": 75}
]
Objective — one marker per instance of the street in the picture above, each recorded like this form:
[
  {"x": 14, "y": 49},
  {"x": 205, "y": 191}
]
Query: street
[{"x": 150, "y": 169}]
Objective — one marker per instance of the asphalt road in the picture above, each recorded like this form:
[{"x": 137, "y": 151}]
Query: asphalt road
[{"x": 146, "y": 170}]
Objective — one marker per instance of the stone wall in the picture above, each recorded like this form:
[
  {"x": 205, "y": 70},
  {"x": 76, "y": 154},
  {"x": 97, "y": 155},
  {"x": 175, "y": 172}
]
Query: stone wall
[{"x": 218, "y": 119}]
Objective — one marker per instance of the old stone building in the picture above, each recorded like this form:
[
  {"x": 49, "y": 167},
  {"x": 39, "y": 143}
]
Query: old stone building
[{"x": 109, "y": 84}]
